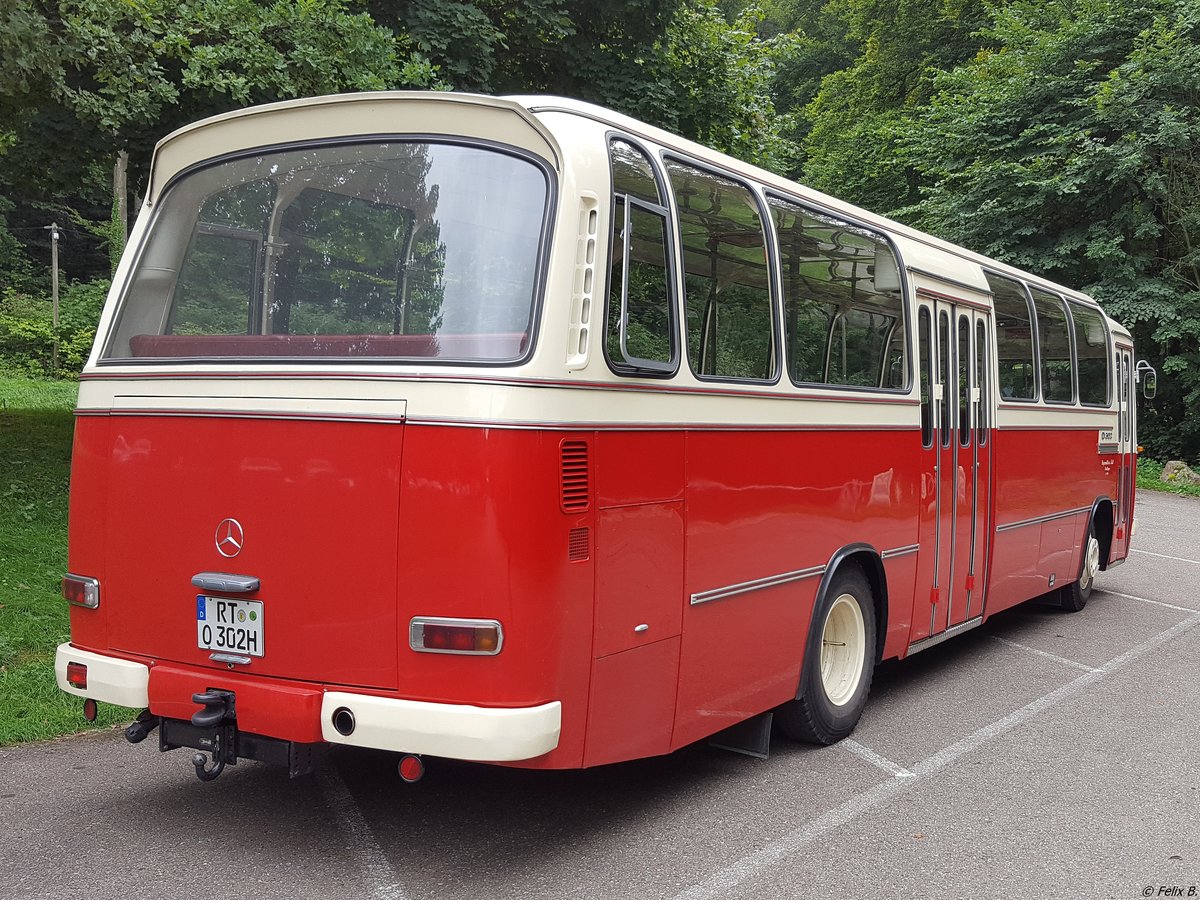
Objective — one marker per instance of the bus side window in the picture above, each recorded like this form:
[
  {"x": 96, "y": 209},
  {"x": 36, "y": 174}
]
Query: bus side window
[
  {"x": 925, "y": 376},
  {"x": 730, "y": 330},
  {"x": 982, "y": 369},
  {"x": 944, "y": 372},
  {"x": 843, "y": 311},
  {"x": 1091, "y": 352},
  {"x": 1054, "y": 348},
  {"x": 641, "y": 339},
  {"x": 1014, "y": 339},
  {"x": 964, "y": 381}
]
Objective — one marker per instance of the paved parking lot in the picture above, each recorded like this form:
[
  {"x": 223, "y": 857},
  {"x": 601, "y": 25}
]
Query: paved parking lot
[{"x": 1043, "y": 755}]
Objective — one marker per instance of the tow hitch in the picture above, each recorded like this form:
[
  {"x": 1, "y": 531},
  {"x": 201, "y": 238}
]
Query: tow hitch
[{"x": 213, "y": 729}]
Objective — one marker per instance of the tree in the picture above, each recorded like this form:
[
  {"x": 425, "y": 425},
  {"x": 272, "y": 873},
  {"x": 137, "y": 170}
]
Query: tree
[
  {"x": 862, "y": 112},
  {"x": 99, "y": 76},
  {"x": 1070, "y": 151}
]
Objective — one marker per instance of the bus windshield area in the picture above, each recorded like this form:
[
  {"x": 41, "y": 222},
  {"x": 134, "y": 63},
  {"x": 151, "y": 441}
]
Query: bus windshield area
[{"x": 391, "y": 250}]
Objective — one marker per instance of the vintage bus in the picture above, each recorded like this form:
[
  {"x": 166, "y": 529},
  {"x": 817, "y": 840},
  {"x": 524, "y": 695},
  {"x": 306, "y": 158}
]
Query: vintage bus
[{"x": 516, "y": 430}]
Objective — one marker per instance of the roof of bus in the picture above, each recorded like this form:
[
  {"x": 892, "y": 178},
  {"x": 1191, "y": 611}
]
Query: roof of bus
[{"x": 913, "y": 243}]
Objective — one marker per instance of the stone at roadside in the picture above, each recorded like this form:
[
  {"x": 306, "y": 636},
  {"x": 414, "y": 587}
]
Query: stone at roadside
[{"x": 1177, "y": 472}]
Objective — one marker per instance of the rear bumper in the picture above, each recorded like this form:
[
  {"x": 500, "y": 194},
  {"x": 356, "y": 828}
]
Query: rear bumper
[
  {"x": 454, "y": 731},
  {"x": 286, "y": 711},
  {"x": 109, "y": 680}
]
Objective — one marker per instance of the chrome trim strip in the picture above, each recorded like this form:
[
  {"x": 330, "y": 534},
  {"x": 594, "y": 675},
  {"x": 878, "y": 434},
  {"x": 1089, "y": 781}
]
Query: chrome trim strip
[
  {"x": 248, "y": 414},
  {"x": 934, "y": 640},
  {"x": 746, "y": 587},
  {"x": 900, "y": 551},
  {"x": 1039, "y": 520}
]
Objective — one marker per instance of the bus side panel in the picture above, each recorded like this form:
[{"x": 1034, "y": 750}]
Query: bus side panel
[
  {"x": 1042, "y": 473},
  {"x": 86, "y": 525},
  {"x": 639, "y": 594},
  {"x": 483, "y": 535},
  {"x": 767, "y": 504}
]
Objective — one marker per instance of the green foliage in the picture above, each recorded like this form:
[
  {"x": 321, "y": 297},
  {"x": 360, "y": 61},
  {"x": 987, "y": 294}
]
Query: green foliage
[
  {"x": 1149, "y": 477},
  {"x": 27, "y": 329},
  {"x": 721, "y": 75},
  {"x": 862, "y": 113},
  {"x": 1071, "y": 152}
]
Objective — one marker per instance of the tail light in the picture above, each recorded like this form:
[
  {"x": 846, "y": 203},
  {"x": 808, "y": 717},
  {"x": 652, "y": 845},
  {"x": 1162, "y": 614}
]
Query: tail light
[
  {"x": 81, "y": 591},
  {"x": 479, "y": 637}
]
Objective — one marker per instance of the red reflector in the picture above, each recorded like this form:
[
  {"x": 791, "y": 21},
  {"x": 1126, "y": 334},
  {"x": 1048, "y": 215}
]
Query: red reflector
[
  {"x": 77, "y": 675},
  {"x": 411, "y": 769}
]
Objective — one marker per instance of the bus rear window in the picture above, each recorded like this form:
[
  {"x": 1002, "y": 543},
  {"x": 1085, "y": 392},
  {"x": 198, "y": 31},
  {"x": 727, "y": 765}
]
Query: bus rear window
[{"x": 388, "y": 250}]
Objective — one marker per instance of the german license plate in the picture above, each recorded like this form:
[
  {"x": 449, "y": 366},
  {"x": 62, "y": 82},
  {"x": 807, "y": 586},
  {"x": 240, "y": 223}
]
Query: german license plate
[{"x": 235, "y": 626}]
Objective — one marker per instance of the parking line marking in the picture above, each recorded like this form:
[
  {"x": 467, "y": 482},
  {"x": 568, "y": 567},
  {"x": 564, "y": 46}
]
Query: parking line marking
[
  {"x": 1164, "y": 556},
  {"x": 875, "y": 759},
  {"x": 1147, "y": 600},
  {"x": 1058, "y": 659},
  {"x": 377, "y": 873},
  {"x": 722, "y": 881}
]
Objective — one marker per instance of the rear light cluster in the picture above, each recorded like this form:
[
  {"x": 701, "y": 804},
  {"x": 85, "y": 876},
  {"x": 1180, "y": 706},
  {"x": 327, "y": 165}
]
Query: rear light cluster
[
  {"x": 479, "y": 637},
  {"x": 81, "y": 591}
]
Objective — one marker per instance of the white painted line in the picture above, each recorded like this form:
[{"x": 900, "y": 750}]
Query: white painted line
[
  {"x": 721, "y": 882},
  {"x": 377, "y": 873},
  {"x": 875, "y": 759},
  {"x": 1146, "y": 600},
  {"x": 1195, "y": 562},
  {"x": 1058, "y": 659}
]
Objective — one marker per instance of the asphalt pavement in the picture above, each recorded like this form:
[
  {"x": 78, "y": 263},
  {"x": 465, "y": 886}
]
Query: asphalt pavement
[{"x": 1046, "y": 754}]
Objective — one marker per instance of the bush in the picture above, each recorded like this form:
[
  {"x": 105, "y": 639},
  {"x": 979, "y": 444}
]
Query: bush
[{"x": 27, "y": 331}]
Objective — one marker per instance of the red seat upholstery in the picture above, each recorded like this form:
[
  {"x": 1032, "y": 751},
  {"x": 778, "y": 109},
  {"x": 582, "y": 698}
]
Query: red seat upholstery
[{"x": 453, "y": 346}]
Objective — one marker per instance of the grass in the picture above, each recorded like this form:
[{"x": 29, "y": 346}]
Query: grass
[
  {"x": 36, "y": 426},
  {"x": 1149, "y": 477}
]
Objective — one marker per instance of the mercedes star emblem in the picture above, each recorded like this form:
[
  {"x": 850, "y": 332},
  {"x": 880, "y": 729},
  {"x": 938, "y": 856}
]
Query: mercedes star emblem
[{"x": 229, "y": 537}]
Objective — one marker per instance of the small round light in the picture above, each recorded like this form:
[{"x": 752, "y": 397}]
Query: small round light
[{"x": 89, "y": 709}]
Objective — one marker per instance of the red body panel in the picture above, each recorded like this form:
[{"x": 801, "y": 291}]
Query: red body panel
[
  {"x": 1043, "y": 473},
  {"x": 354, "y": 528}
]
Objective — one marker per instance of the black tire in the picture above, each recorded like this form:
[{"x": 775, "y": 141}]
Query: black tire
[
  {"x": 1075, "y": 595},
  {"x": 815, "y": 716}
]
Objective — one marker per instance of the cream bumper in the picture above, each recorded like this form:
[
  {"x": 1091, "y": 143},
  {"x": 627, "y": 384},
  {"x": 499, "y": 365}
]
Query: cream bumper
[
  {"x": 109, "y": 680},
  {"x": 443, "y": 729}
]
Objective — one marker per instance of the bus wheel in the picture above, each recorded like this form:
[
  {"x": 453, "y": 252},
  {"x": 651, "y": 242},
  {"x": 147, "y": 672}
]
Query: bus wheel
[
  {"x": 1075, "y": 596},
  {"x": 838, "y": 663}
]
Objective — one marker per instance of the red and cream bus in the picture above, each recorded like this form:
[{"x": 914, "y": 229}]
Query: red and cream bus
[{"x": 516, "y": 430}]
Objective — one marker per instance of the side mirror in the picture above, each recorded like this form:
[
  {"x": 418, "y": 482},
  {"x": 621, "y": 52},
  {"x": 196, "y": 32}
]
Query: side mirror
[{"x": 1148, "y": 377}]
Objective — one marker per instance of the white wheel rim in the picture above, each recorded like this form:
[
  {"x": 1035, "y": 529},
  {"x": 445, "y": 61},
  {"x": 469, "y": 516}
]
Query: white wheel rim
[
  {"x": 1091, "y": 562},
  {"x": 843, "y": 642}
]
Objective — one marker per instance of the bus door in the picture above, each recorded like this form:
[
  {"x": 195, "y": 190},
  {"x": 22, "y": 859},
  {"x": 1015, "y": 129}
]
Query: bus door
[
  {"x": 954, "y": 344},
  {"x": 1126, "y": 449}
]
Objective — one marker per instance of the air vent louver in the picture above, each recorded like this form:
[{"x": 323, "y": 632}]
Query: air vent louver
[
  {"x": 578, "y": 544},
  {"x": 576, "y": 487}
]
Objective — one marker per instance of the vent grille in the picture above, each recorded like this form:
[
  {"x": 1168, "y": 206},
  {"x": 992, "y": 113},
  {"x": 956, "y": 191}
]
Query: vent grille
[
  {"x": 575, "y": 481},
  {"x": 578, "y": 544}
]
